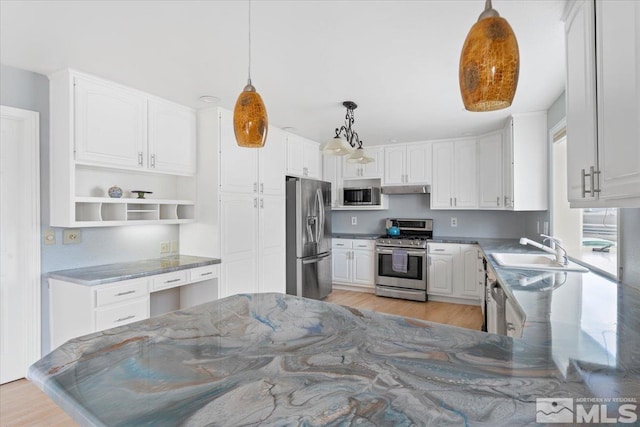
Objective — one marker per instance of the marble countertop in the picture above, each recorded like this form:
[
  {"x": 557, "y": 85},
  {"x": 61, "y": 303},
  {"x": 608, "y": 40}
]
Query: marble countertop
[
  {"x": 274, "y": 359},
  {"x": 361, "y": 236},
  {"x": 109, "y": 273}
]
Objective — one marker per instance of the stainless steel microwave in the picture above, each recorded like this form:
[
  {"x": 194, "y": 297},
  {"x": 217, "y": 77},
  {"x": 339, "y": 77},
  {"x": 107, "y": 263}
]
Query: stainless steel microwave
[{"x": 361, "y": 196}]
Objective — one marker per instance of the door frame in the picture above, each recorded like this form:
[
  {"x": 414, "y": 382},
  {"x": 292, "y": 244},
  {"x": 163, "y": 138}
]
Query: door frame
[{"x": 29, "y": 174}]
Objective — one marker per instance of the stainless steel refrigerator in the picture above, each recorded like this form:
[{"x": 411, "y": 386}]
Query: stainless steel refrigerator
[{"x": 308, "y": 238}]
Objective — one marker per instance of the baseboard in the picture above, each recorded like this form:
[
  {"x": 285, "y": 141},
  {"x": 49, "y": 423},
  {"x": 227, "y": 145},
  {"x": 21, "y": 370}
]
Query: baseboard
[
  {"x": 354, "y": 288},
  {"x": 452, "y": 300}
]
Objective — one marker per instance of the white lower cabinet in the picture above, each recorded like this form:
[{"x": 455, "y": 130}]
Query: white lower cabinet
[
  {"x": 514, "y": 320},
  {"x": 77, "y": 309},
  {"x": 455, "y": 271},
  {"x": 354, "y": 262}
]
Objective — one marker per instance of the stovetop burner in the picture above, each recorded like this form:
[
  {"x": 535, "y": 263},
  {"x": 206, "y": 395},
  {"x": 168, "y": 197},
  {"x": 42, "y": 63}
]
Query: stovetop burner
[{"x": 414, "y": 234}]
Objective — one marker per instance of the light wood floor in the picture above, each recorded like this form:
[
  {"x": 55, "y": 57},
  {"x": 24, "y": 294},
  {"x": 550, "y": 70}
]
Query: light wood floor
[{"x": 23, "y": 404}]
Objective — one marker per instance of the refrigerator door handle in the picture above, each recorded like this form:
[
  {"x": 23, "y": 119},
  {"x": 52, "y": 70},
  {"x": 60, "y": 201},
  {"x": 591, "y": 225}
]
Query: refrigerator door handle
[
  {"x": 315, "y": 259},
  {"x": 320, "y": 200}
]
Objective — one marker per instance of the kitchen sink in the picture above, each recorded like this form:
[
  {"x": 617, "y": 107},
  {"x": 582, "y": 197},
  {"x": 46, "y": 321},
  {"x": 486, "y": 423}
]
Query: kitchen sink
[{"x": 535, "y": 261}]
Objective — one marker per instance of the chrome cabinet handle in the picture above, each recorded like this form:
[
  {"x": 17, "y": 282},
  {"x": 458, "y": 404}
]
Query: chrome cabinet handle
[
  {"x": 438, "y": 250},
  {"x": 153, "y": 160},
  {"x": 261, "y": 187},
  {"x": 594, "y": 188},
  {"x": 122, "y": 319},
  {"x": 255, "y": 202},
  {"x": 139, "y": 158},
  {"x": 206, "y": 274},
  {"x": 450, "y": 201},
  {"x": 172, "y": 281},
  {"x": 498, "y": 201},
  {"x": 255, "y": 187},
  {"x": 119, "y": 294},
  {"x": 455, "y": 201},
  {"x": 261, "y": 203}
]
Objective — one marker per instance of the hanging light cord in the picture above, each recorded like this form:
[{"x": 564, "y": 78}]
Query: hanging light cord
[{"x": 249, "y": 70}]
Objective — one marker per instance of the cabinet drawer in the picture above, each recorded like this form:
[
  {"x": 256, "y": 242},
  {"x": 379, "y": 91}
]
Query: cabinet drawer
[
  {"x": 443, "y": 248},
  {"x": 123, "y": 291},
  {"x": 364, "y": 244},
  {"x": 342, "y": 243},
  {"x": 203, "y": 273},
  {"x": 169, "y": 280},
  {"x": 122, "y": 314}
]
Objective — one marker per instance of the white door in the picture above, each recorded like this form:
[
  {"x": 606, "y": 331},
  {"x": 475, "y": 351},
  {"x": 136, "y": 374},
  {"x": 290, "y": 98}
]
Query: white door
[
  {"x": 418, "y": 164},
  {"x": 272, "y": 260},
  {"x": 618, "y": 53},
  {"x": 442, "y": 191},
  {"x": 341, "y": 264},
  {"x": 468, "y": 272},
  {"x": 272, "y": 158},
  {"x": 507, "y": 166},
  {"x": 394, "y": 165},
  {"x": 375, "y": 169},
  {"x": 295, "y": 155},
  {"x": 239, "y": 244},
  {"x": 111, "y": 125},
  {"x": 19, "y": 242},
  {"x": 440, "y": 274},
  {"x": 465, "y": 193},
  {"x": 172, "y": 138},
  {"x": 363, "y": 267},
  {"x": 311, "y": 159},
  {"x": 490, "y": 171},
  {"x": 238, "y": 165}
]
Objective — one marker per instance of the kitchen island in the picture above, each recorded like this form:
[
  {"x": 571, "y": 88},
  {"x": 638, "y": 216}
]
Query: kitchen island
[{"x": 274, "y": 359}]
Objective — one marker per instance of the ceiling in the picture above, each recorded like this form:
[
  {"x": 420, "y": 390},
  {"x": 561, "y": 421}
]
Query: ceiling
[{"x": 398, "y": 60}]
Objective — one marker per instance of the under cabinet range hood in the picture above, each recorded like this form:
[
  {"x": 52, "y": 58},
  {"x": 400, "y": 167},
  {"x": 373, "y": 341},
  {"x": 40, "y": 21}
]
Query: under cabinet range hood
[{"x": 406, "y": 189}]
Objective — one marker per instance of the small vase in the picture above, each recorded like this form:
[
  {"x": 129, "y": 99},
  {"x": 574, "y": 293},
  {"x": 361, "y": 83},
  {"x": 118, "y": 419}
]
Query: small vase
[{"x": 115, "y": 192}]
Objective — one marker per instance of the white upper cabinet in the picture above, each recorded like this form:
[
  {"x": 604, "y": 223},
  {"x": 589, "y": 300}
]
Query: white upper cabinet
[
  {"x": 303, "y": 157},
  {"x": 332, "y": 172},
  {"x": 110, "y": 124},
  {"x": 525, "y": 177},
  {"x": 238, "y": 165},
  {"x": 407, "y": 164},
  {"x": 454, "y": 175},
  {"x": 490, "y": 170},
  {"x": 172, "y": 137},
  {"x": 369, "y": 170},
  {"x": 618, "y": 91},
  {"x": 603, "y": 88},
  {"x": 123, "y": 128},
  {"x": 271, "y": 162}
]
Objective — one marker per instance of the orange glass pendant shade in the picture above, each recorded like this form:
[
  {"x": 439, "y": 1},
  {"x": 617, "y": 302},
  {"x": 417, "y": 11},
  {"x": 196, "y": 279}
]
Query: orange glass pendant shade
[
  {"x": 489, "y": 64},
  {"x": 250, "y": 122}
]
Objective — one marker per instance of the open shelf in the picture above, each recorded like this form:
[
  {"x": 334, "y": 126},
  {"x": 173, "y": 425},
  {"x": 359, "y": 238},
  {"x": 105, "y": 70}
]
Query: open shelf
[{"x": 104, "y": 211}]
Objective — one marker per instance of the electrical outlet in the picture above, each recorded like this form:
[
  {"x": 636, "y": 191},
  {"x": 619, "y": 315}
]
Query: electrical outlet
[
  {"x": 174, "y": 246},
  {"x": 165, "y": 247},
  {"x": 50, "y": 237},
  {"x": 454, "y": 221},
  {"x": 354, "y": 220},
  {"x": 71, "y": 236}
]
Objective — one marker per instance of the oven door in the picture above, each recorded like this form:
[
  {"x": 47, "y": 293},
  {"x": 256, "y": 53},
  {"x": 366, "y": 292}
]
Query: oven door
[{"x": 414, "y": 278}]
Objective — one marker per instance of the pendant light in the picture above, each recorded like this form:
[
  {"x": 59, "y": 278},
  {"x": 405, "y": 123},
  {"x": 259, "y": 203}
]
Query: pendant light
[
  {"x": 489, "y": 63},
  {"x": 347, "y": 140},
  {"x": 250, "y": 122}
]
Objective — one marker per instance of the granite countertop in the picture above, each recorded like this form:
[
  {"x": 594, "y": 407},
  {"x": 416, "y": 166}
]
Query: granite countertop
[
  {"x": 361, "y": 236},
  {"x": 109, "y": 273},
  {"x": 274, "y": 359}
]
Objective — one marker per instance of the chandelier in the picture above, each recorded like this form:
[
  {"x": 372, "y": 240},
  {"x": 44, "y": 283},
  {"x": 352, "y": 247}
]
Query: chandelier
[{"x": 347, "y": 140}]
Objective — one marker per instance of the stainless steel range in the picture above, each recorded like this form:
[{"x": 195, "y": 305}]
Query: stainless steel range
[{"x": 401, "y": 265}]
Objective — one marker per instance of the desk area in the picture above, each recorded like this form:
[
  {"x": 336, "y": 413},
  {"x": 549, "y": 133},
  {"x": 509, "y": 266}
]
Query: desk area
[{"x": 92, "y": 299}]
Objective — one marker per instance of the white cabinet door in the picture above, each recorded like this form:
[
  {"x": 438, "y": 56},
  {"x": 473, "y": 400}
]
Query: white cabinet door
[
  {"x": 581, "y": 98},
  {"x": 618, "y": 89},
  {"x": 490, "y": 167},
  {"x": 363, "y": 267},
  {"x": 110, "y": 125},
  {"x": 341, "y": 259},
  {"x": 172, "y": 138},
  {"x": 272, "y": 163},
  {"x": 331, "y": 172},
  {"x": 238, "y": 165},
  {"x": 272, "y": 243},
  {"x": 440, "y": 274},
  {"x": 375, "y": 169},
  {"x": 239, "y": 244},
  {"x": 295, "y": 155},
  {"x": 350, "y": 170},
  {"x": 394, "y": 165},
  {"x": 442, "y": 188},
  {"x": 507, "y": 166},
  {"x": 418, "y": 163},
  {"x": 466, "y": 271},
  {"x": 515, "y": 323},
  {"x": 311, "y": 160},
  {"x": 465, "y": 187}
]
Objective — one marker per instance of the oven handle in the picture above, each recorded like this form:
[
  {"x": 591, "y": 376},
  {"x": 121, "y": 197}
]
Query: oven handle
[{"x": 390, "y": 251}]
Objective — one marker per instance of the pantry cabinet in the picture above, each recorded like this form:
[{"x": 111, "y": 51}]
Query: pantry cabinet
[
  {"x": 603, "y": 58},
  {"x": 454, "y": 175},
  {"x": 354, "y": 262},
  {"x": 103, "y": 135},
  {"x": 407, "y": 164}
]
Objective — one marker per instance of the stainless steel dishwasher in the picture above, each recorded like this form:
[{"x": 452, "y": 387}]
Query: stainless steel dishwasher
[{"x": 496, "y": 323}]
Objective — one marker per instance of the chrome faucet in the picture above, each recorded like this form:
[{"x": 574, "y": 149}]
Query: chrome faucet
[{"x": 555, "y": 247}]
